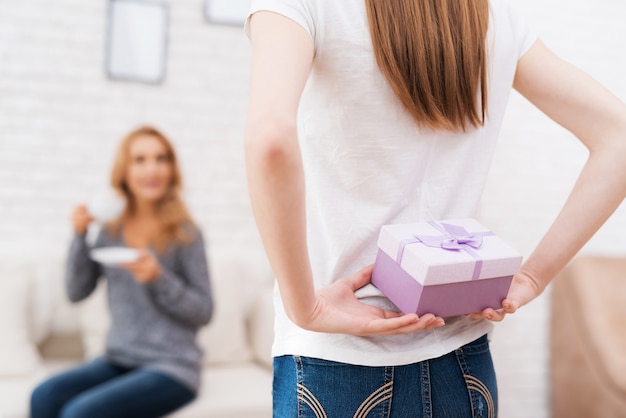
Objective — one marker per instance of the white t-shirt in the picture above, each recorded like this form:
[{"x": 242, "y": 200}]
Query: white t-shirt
[{"x": 367, "y": 164}]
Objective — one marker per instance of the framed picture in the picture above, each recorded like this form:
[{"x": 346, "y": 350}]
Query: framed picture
[
  {"x": 226, "y": 12},
  {"x": 137, "y": 41}
]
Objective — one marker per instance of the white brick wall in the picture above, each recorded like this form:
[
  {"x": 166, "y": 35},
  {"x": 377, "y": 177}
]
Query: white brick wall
[{"x": 61, "y": 119}]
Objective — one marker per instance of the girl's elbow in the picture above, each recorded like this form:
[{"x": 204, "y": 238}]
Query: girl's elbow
[{"x": 270, "y": 141}]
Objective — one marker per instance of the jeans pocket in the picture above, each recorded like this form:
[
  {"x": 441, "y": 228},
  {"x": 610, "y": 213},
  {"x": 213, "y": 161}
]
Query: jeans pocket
[
  {"x": 477, "y": 367},
  {"x": 330, "y": 389},
  {"x": 307, "y": 401},
  {"x": 482, "y": 400}
]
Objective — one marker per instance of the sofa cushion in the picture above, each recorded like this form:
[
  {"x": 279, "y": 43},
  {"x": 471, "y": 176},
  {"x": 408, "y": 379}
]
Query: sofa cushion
[
  {"x": 18, "y": 354},
  {"x": 233, "y": 391},
  {"x": 224, "y": 340},
  {"x": 236, "y": 278},
  {"x": 51, "y": 312},
  {"x": 15, "y": 391},
  {"x": 47, "y": 294},
  {"x": 261, "y": 326}
]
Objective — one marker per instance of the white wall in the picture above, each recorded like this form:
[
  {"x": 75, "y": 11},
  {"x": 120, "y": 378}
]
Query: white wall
[{"x": 61, "y": 119}]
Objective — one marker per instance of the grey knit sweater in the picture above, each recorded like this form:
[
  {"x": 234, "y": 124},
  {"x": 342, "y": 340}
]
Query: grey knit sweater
[{"x": 152, "y": 325}]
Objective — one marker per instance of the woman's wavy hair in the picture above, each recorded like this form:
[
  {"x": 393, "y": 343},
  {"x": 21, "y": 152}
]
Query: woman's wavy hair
[
  {"x": 174, "y": 218},
  {"x": 433, "y": 53}
]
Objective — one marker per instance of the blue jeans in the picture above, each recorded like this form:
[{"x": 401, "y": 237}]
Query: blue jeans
[
  {"x": 103, "y": 390},
  {"x": 457, "y": 385}
]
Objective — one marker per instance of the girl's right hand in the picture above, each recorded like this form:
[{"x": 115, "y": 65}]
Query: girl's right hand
[
  {"x": 81, "y": 219},
  {"x": 338, "y": 310}
]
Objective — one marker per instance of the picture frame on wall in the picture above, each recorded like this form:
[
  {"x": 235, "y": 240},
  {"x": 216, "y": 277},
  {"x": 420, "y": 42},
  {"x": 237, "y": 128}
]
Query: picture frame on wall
[
  {"x": 137, "y": 41},
  {"x": 226, "y": 12}
]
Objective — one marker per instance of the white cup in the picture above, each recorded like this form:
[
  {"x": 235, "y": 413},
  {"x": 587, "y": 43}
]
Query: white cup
[{"x": 105, "y": 207}]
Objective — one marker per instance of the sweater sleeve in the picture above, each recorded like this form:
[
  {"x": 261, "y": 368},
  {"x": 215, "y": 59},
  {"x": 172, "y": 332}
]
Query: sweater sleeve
[
  {"x": 186, "y": 298},
  {"x": 81, "y": 273}
]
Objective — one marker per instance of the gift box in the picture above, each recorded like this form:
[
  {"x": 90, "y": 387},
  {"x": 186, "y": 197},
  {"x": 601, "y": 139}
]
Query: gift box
[{"x": 444, "y": 267}]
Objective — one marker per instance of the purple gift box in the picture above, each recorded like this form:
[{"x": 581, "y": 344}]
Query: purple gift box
[{"x": 446, "y": 267}]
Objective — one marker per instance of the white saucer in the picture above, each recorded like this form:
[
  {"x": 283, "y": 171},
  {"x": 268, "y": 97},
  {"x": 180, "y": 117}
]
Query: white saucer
[{"x": 114, "y": 256}]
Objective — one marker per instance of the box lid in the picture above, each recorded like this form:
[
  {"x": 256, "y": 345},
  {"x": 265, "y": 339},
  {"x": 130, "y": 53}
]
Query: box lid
[{"x": 419, "y": 249}]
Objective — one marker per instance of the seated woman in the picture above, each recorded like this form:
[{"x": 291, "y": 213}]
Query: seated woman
[{"x": 151, "y": 365}]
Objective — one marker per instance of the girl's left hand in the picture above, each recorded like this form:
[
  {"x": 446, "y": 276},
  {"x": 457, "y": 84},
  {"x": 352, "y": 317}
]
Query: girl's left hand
[
  {"x": 524, "y": 288},
  {"x": 146, "y": 269}
]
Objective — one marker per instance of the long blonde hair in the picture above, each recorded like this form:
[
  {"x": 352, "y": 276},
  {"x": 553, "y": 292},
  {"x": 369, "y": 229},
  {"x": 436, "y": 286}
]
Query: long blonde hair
[
  {"x": 174, "y": 218},
  {"x": 433, "y": 53}
]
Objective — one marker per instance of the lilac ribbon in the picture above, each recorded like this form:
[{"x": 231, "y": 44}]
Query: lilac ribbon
[{"x": 454, "y": 238}]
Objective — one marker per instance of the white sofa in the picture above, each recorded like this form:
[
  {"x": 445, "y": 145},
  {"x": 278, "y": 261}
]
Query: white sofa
[{"x": 42, "y": 334}]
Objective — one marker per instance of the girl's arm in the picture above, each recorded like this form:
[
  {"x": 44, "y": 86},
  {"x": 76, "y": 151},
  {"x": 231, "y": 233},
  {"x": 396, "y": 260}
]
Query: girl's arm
[
  {"x": 282, "y": 59},
  {"x": 598, "y": 118}
]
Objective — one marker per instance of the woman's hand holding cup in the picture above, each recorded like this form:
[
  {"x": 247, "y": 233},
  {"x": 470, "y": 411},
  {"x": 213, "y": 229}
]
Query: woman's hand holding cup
[
  {"x": 81, "y": 219},
  {"x": 101, "y": 208}
]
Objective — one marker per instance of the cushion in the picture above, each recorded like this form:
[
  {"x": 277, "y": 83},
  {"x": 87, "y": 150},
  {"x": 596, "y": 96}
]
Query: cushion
[
  {"x": 232, "y": 391},
  {"x": 18, "y": 354},
  {"x": 47, "y": 294},
  {"x": 65, "y": 319},
  {"x": 224, "y": 340},
  {"x": 15, "y": 391},
  {"x": 261, "y": 326},
  {"x": 237, "y": 277}
]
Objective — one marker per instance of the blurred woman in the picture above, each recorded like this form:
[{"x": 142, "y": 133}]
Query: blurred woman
[{"x": 157, "y": 301}]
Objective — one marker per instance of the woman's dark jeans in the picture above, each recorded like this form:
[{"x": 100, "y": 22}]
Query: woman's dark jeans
[{"x": 102, "y": 390}]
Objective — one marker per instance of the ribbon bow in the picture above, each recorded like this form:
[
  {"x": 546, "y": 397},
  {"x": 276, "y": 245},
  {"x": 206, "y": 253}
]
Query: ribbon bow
[{"x": 455, "y": 239}]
